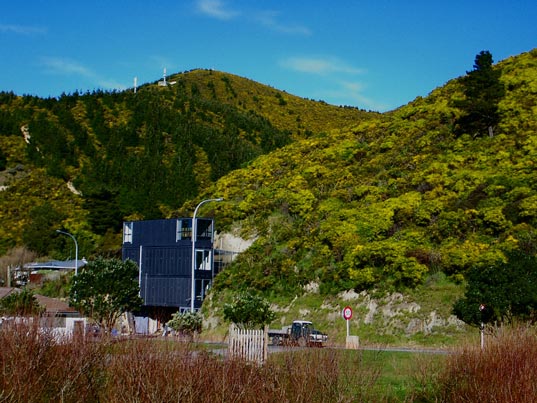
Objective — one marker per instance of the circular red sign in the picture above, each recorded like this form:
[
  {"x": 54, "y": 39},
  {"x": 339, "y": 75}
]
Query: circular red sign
[{"x": 347, "y": 313}]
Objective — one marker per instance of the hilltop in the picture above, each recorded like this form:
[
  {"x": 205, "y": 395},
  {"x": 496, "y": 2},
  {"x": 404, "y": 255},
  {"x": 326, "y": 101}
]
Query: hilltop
[{"x": 300, "y": 116}]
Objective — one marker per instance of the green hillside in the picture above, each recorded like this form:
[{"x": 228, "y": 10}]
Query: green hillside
[
  {"x": 87, "y": 161},
  {"x": 301, "y": 117},
  {"x": 336, "y": 198},
  {"x": 391, "y": 199}
]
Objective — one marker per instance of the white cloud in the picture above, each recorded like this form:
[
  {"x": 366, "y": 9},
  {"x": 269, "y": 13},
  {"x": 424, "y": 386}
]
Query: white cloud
[
  {"x": 22, "y": 29},
  {"x": 219, "y": 9},
  {"x": 337, "y": 89},
  {"x": 269, "y": 20},
  {"x": 162, "y": 61},
  {"x": 64, "y": 66},
  {"x": 353, "y": 93},
  {"x": 321, "y": 66},
  {"x": 216, "y": 9}
]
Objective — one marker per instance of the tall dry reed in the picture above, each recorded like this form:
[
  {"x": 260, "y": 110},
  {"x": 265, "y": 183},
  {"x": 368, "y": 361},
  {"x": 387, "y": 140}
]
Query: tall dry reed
[
  {"x": 35, "y": 368},
  {"x": 505, "y": 371},
  {"x": 140, "y": 373}
]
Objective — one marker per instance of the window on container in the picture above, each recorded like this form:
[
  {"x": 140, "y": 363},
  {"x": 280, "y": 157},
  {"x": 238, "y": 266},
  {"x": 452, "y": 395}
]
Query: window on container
[
  {"x": 184, "y": 229},
  {"x": 202, "y": 288},
  {"x": 203, "y": 259},
  {"x": 127, "y": 232},
  {"x": 204, "y": 228}
]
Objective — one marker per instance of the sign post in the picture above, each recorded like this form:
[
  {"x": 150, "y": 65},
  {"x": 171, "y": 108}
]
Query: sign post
[
  {"x": 482, "y": 327},
  {"x": 352, "y": 342},
  {"x": 347, "y": 315}
]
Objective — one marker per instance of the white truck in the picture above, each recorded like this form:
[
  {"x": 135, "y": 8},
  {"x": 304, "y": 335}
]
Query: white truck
[{"x": 299, "y": 333}]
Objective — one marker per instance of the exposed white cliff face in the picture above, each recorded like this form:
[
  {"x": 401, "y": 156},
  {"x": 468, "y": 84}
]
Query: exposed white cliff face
[
  {"x": 394, "y": 313},
  {"x": 372, "y": 306},
  {"x": 390, "y": 314},
  {"x": 73, "y": 189},
  {"x": 233, "y": 243},
  {"x": 312, "y": 287},
  {"x": 25, "y": 130},
  {"x": 349, "y": 295}
]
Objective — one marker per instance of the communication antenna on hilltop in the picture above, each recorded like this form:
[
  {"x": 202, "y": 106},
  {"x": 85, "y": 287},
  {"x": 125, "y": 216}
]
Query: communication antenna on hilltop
[
  {"x": 163, "y": 83},
  {"x": 135, "y": 84}
]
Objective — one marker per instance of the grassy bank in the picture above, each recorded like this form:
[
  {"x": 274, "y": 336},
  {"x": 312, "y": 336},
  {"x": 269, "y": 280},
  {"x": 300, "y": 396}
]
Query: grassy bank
[{"x": 419, "y": 317}]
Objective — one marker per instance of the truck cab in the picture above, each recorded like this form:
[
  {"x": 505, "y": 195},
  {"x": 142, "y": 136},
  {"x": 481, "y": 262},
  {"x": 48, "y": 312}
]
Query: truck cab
[
  {"x": 300, "y": 332},
  {"x": 303, "y": 333}
]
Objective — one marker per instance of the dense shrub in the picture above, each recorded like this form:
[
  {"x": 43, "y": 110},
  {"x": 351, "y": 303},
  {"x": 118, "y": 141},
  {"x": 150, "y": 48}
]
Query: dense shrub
[
  {"x": 507, "y": 290},
  {"x": 186, "y": 323},
  {"x": 36, "y": 368},
  {"x": 249, "y": 311},
  {"x": 21, "y": 303}
]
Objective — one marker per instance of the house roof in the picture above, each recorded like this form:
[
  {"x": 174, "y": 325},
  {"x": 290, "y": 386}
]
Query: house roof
[
  {"x": 5, "y": 291},
  {"x": 56, "y": 264},
  {"x": 53, "y": 306}
]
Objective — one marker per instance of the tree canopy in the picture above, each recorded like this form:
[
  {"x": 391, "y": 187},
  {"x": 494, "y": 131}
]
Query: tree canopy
[
  {"x": 248, "y": 311},
  {"x": 505, "y": 291},
  {"x": 105, "y": 288},
  {"x": 483, "y": 90},
  {"x": 22, "y": 303}
]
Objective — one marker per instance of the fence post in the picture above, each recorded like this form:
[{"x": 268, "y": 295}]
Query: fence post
[
  {"x": 265, "y": 343},
  {"x": 248, "y": 344}
]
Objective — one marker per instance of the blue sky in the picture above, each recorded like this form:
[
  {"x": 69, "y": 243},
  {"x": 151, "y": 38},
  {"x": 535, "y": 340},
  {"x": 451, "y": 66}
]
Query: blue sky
[{"x": 374, "y": 55}]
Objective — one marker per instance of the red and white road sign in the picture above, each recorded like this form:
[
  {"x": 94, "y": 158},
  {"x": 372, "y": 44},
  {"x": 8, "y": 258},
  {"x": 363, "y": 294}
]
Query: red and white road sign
[{"x": 347, "y": 313}]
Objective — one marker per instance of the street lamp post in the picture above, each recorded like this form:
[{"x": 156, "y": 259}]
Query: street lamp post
[
  {"x": 194, "y": 236},
  {"x": 76, "y": 248}
]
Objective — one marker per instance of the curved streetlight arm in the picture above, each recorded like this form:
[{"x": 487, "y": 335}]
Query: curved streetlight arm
[
  {"x": 194, "y": 238},
  {"x": 76, "y": 247}
]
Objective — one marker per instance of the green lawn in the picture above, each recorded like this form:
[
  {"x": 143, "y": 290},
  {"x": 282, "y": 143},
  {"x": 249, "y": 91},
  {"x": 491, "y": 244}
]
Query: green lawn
[{"x": 403, "y": 375}]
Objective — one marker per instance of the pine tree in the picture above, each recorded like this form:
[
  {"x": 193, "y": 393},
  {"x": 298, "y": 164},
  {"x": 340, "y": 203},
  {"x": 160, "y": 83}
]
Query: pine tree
[{"x": 483, "y": 91}]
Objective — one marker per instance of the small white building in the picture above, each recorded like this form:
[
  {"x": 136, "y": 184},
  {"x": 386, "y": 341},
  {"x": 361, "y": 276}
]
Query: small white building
[{"x": 61, "y": 320}]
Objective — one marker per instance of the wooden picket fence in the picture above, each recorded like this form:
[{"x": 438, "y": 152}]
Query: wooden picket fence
[{"x": 248, "y": 344}]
